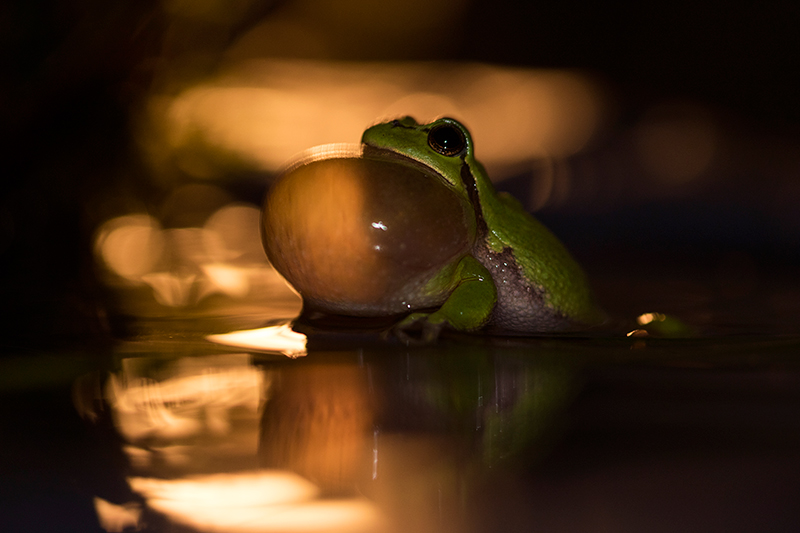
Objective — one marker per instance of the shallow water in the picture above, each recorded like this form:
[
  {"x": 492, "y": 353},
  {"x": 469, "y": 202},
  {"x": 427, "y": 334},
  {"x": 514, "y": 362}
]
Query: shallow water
[{"x": 168, "y": 431}]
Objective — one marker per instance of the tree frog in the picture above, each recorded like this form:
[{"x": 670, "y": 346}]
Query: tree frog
[{"x": 409, "y": 224}]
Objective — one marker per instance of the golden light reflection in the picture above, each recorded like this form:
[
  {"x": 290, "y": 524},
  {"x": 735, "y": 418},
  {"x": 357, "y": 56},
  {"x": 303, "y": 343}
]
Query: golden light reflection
[
  {"x": 319, "y": 423},
  {"x": 281, "y": 339},
  {"x": 199, "y": 396},
  {"x": 256, "y": 501},
  {"x": 117, "y": 518},
  {"x": 176, "y": 414},
  {"x": 245, "y": 489},
  {"x": 268, "y": 110},
  {"x": 646, "y": 318}
]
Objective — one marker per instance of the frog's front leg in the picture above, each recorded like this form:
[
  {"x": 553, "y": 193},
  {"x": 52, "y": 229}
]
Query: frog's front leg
[{"x": 467, "y": 308}]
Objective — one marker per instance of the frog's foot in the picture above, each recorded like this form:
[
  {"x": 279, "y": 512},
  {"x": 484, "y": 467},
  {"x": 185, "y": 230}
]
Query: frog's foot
[{"x": 418, "y": 328}]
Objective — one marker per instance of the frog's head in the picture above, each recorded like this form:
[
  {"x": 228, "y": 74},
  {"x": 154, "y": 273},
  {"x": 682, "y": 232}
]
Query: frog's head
[{"x": 441, "y": 146}]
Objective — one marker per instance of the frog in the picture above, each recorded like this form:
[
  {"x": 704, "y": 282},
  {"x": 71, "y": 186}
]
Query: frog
[{"x": 439, "y": 248}]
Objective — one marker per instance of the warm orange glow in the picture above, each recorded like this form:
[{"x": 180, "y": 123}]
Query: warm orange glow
[
  {"x": 260, "y": 113},
  {"x": 232, "y": 233},
  {"x": 197, "y": 397},
  {"x": 222, "y": 254},
  {"x": 244, "y": 489},
  {"x": 281, "y": 339},
  {"x": 265, "y": 111},
  {"x": 647, "y": 318},
  {"x": 318, "y": 423},
  {"x": 170, "y": 289},
  {"x": 226, "y": 279},
  {"x": 316, "y": 218},
  {"x": 131, "y": 246},
  {"x": 677, "y": 143},
  {"x": 259, "y": 501},
  {"x": 116, "y": 518}
]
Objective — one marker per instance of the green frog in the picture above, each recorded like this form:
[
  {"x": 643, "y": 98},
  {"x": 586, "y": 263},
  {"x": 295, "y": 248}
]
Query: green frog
[{"x": 408, "y": 225}]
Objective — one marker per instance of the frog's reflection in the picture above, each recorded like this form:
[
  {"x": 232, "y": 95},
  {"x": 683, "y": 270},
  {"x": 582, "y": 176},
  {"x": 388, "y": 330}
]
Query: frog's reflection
[
  {"x": 387, "y": 438},
  {"x": 415, "y": 431},
  {"x": 316, "y": 423}
]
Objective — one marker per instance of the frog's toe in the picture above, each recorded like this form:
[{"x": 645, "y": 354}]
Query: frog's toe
[{"x": 417, "y": 328}]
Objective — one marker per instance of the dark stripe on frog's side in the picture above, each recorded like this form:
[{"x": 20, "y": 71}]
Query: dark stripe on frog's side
[
  {"x": 521, "y": 306},
  {"x": 468, "y": 180}
]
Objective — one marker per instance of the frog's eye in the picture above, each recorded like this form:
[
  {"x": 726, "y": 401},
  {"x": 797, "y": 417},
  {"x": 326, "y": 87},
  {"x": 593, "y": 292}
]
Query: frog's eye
[{"x": 447, "y": 140}]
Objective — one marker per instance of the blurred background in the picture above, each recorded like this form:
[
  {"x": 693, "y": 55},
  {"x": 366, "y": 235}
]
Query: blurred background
[{"x": 661, "y": 142}]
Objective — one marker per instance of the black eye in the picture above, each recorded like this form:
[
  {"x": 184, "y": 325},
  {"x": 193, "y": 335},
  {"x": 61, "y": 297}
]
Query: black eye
[{"x": 447, "y": 140}]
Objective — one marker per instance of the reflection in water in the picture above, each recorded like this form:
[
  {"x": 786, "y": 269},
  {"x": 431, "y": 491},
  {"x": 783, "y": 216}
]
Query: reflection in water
[
  {"x": 317, "y": 424},
  {"x": 386, "y": 440},
  {"x": 282, "y": 339},
  {"x": 116, "y": 518},
  {"x": 201, "y": 414},
  {"x": 416, "y": 431},
  {"x": 255, "y": 501},
  {"x": 460, "y": 437},
  {"x": 244, "y": 489},
  {"x": 189, "y": 412}
]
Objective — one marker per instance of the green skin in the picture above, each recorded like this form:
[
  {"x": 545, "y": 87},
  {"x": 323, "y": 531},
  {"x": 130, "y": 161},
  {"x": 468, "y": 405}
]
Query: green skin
[{"x": 518, "y": 278}]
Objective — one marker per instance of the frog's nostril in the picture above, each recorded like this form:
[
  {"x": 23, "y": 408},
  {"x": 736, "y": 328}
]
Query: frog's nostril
[{"x": 404, "y": 122}]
